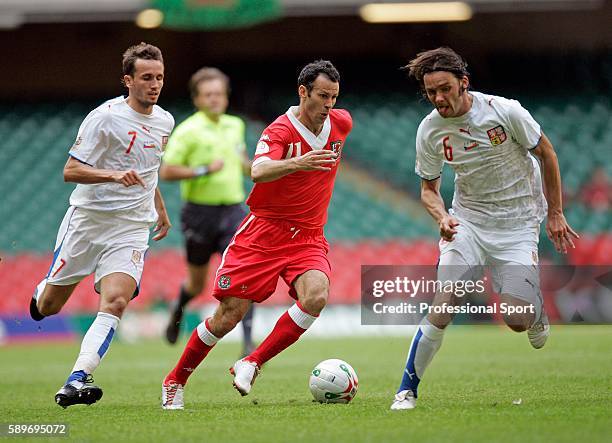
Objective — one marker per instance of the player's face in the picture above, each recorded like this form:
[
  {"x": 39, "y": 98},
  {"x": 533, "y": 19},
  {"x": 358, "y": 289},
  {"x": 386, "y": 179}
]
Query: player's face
[
  {"x": 447, "y": 93},
  {"x": 212, "y": 97},
  {"x": 146, "y": 83},
  {"x": 321, "y": 99}
]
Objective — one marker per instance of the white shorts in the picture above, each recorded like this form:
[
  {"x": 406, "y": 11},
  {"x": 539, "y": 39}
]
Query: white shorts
[
  {"x": 510, "y": 254},
  {"x": 90, "y": 241}
]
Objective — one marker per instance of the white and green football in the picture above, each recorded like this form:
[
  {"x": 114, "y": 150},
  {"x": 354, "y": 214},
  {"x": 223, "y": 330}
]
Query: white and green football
[{"x": 333, "y": 381}]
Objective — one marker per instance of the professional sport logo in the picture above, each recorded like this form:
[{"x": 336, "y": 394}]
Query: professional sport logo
[
  {"x": 336, "y": 146},
  {"x": 497, "y": 135},
  {"x": 225, "y": 282}
]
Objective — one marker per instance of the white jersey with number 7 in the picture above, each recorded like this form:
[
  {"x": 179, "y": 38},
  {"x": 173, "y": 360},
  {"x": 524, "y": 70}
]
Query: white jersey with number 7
[{"x": 114, "y": 136}]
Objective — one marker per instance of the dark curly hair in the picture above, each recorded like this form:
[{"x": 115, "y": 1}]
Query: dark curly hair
[
  {"x": 311, "y": 71},
  {"x": 439, "y": 59}
]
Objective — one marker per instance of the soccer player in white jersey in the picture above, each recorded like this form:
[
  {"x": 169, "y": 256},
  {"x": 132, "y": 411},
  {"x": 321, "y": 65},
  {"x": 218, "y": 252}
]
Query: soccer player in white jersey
[
  {"x": 114, "y": 161},
  {"x": 493, "y": 144}
]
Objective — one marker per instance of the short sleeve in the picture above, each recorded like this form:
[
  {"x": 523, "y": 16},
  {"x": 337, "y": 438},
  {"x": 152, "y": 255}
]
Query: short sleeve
[
  {"x": 428, "y": 163},
  {"x": 270, "y": 146},
  {"x": 525, "y": 130},
  {"x": 178, "y": 148},
  {"x": 93, "y": 138},
  {"x": 345, "y": 119}
]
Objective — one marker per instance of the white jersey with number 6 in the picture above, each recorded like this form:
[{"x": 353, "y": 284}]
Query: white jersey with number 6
[
  {"x": 116, "y": 137},
  {"x": 497, "y": 181}
]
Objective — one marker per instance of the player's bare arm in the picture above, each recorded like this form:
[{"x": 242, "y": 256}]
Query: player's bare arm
[
  {"x": 163, "y": 221},
  {"x": 180, "y": 172},
  {"x": 433, "y": 202},
  {"x": 557, "y": 228},
  {"x": 78, "y": 172},
  {"x": 315, "y": 160}
]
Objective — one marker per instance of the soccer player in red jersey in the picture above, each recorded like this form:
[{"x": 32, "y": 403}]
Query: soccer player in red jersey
[{"x": 294, "y": 169}]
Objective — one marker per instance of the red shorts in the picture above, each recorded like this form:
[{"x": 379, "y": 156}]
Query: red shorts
[{"x": 264, "y": 249}]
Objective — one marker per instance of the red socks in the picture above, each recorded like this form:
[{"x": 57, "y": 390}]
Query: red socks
[
  {"x": 199, "y": 345},
  {"x": 289, "y": 327}
]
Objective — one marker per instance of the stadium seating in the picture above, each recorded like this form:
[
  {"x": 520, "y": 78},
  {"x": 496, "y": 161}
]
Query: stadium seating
[
  {"x": 35, "y": 139},
  {"x": 38, "y": 197},
  {"x": 362, "y": 228}
]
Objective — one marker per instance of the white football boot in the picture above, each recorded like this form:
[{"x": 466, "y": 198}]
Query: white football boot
[
  {"x": 172, "y": 396},
  {"x": 539, "y": 332},
  {"x": 244, "y": 373},
  {"x": 404, "y": 400}
]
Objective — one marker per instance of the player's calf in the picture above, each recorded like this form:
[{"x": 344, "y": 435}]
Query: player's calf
[
  {"x": 48, "y": 299},
  {"x": 518, "y": 314}
]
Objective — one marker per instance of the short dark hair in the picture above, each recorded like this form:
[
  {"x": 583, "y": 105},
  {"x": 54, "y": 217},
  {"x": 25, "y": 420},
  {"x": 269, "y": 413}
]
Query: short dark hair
[
  {"x": 205, "y": 74},
  {"x": 439, "y": 59},
  {"x": 143, "y": 51},
  {"x": 311, "y": 71}
]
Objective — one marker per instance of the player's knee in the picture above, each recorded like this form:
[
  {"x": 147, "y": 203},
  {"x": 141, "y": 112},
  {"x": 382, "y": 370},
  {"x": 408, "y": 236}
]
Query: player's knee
[
  {"x": 316, "y": 300},
  {"x": 114, "y": 304}
]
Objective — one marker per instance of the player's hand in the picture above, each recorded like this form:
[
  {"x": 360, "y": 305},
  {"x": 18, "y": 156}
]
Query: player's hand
[
  {"x": 163, "y": 225},
  {"x": 216, "y": 165},
  {"x": 560, "y": 233},
  {"x": 316, "y": 160},
  {"x": 447, "y": 227},
  {"x": 128, "y": 178}
]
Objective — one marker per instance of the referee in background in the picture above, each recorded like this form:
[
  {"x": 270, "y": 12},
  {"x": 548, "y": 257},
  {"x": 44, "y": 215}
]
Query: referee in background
[{"x": 207, "y": 153}]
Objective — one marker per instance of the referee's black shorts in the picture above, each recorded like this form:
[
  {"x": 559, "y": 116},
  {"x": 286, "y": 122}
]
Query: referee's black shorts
[{"x": 209, "y": 229}]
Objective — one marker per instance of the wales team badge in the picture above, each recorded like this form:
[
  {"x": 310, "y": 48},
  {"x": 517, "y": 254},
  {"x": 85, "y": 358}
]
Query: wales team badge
[
  {"x": 225, "y": 282},
  {"x": 336, "y": 147}
]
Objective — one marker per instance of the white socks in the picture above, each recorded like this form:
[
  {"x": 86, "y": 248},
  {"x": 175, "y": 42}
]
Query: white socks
[
  {"x": 300, "y": 317},
  {"x": 96, "y": 342},
  {"x": 430, "y": 342},
  {"x": 425, "y": 343},
  {"x": 205, "y": 335}
]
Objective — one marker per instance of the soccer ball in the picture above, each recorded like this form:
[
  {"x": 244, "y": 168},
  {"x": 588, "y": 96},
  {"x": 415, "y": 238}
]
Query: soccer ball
[{"x": 333, "y": 381}]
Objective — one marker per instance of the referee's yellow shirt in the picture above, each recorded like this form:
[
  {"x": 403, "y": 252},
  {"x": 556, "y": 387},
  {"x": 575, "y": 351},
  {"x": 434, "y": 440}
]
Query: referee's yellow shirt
[{"x": 198, "y": 141}]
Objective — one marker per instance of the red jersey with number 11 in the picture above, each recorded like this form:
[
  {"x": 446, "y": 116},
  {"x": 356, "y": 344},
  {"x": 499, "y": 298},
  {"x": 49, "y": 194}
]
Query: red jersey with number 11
[{"x": 301, "y": 197}]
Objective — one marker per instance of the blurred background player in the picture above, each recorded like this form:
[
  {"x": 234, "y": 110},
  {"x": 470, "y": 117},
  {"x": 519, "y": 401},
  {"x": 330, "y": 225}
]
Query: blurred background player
[
  {"x": 115, "y": 161},
  {"x": 294, "y": 170},
  {"x": 207, "y": 152},
  {"x": 491, "y": 143}
]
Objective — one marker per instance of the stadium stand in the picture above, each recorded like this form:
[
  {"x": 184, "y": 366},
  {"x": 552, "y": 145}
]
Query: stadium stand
[{"x": 362, "y": 228}]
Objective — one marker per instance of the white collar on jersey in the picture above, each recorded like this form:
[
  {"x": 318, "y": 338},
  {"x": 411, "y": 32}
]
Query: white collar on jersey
[{"x": 315, "y": 142}]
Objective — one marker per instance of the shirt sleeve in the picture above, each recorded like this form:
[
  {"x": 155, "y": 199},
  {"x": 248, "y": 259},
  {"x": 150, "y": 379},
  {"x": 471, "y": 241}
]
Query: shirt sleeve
[
  {"x": 525, "y": 130},
  {"x": 178, "y": 148},
  {"x": 428, "y": 163},
  {"x": 271, "y": 146},
  {"x": 93, "y": 138}
]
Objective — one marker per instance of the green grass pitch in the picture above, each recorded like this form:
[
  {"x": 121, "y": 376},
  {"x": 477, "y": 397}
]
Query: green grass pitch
[{"x": 466, "y": 395}]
